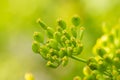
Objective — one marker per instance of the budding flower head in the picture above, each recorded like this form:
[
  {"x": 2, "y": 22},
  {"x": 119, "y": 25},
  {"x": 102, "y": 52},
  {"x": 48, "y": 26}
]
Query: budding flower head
[
  {"x": 29, "y": 76},
  {"x": 76, "y": 20}
]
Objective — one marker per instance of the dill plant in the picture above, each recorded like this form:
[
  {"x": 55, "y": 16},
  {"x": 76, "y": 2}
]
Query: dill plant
[{"x": 65, "y": 42}]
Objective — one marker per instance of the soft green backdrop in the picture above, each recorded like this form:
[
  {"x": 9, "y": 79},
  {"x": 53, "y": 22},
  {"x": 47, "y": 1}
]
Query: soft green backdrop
[{"x": 18, "y": 22}]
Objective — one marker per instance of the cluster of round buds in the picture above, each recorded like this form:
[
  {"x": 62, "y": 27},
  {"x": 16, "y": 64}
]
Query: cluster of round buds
[
  {"x": 106, "y": 63},
  {"x": 61, "y": 44}
]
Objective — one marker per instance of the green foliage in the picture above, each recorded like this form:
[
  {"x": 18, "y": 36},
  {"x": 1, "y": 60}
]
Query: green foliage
[{"x": 65, "y": 43}]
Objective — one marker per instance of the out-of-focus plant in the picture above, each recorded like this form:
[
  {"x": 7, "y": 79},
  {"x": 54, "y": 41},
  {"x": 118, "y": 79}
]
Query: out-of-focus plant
[{"x": 57, "y": 46}]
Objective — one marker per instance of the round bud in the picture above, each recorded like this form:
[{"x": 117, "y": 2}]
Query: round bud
[
  {"x": 44, "y": 51},
  {"x": 36, "y": 47},
  {"x": 62, "y": 23},
  {"x": 87, "y": 71},
  {"x": 76, "y": 20},
  {"x": 38, "y": 37},
  {"x": 101, "y": 52}
]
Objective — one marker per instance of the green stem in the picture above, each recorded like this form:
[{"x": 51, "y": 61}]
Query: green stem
[{"x": 79, "y": 59}]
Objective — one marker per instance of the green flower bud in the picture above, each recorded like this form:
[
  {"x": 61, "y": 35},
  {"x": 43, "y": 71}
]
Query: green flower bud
[
  {"x": 63, "y": 38},
  {"x": 54, "y": 58},
  {"x": 57, "y": 36},
  {"x": 78, "y": 49},
  {"x": 108, "y": 59},
  {"x": 87, "y": 71},
  {"x": 59, "y": 29},
  {"x": 50, "y": 32},
  {"x": 73, "y": 41},
  {"x": 74, "y": 31},
  {"x": 102, "y": 66},
  {"x": 36, "y": 47},
  {"x": 52, "y": 65},
  {"x": 53, "y": 43},
  {"x": 38, "y": 37},
  {"x": 80, "y": 36},
  {"x": 68, "y": 43},
  {"x": 76, "y": 21},
  {"x": 64, "y": 60},
  {"x": 66, "y": 34},
  {"x": 77, "y": 78},
  {"x": 42, "y": 24},
  {"x": 93, "y": 66},
  {"x": 69, "y": 51},
  {"x": 62, "y": 52},
  {"x": 62, "y": 23},
  {"x": 44, "y": 51},
  {"x": 101, "y": 52}
]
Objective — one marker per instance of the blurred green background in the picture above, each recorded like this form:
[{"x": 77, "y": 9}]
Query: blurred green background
[{"x": 18, "y": 22}]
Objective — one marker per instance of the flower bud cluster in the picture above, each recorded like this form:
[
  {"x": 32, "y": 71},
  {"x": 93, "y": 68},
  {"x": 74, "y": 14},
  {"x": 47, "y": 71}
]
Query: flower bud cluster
[
  {"x": 106, "y": 63},
  {"x": 61, "y": 44}
]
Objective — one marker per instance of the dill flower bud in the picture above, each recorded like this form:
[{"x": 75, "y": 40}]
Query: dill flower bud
[
  {"x": 62, "y": 23},
  {"x": 76, "y": 20},
  {"x": 36, "y": 47},
  {"x": 42, "y": 24},
  {"x": 38, "y": 37}
]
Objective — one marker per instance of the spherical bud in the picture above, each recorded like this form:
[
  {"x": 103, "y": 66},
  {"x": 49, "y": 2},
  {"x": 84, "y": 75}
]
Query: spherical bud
[
  {"x": 101, "y": 52},
  {"x": 87, "y": 71},
  {"x": 76, "y": 20}
]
